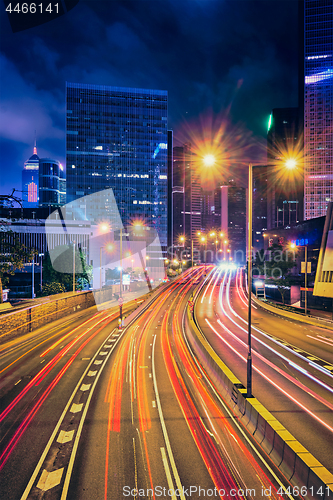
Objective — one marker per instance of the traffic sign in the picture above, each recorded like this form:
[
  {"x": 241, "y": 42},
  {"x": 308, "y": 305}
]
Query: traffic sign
[{"x": 120, "y": 301}]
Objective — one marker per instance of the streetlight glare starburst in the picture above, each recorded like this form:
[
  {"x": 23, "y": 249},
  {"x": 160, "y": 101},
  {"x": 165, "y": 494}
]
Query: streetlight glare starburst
[
  {"x": 291, "y": 163},
  {"x": 216, "y": 147},
  {"x": 209, "y": 160},
  {"x": 286, "y": 158}
]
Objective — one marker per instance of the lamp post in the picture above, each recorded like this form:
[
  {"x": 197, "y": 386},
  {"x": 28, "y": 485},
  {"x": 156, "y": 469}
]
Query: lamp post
[
  {"x": 33, "y": 276},
  {"x": 73, "y": 266},
  {"x": 182, "y": 244},
  {"x": 121, "y": 280},
  {"x": 100, "y": 267},
  {"x": 41, "y": 255},
  {"x": 204, "y": 241},
  {"x": 249, "y": 283}
]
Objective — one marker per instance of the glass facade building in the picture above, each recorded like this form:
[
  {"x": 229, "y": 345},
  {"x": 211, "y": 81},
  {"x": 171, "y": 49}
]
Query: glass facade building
[
  {"x": 51, "y": 183},
  {"x": 318, "y": 107},
  {"x": 30, "y": 181},
  {"x": 117, "y": 138}
]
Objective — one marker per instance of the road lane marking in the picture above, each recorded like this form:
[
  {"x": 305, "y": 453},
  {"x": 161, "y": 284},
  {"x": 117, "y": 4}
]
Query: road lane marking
[
  {"x": 98, "y": 362},
  {"x": 91, "y": 373},
  {"x": 104, "y": 353},
  {"x": 164, "y": 429},
  {"x": 57, "y": 427},
  {"x": 76, "y": 408},
  {"x": 237, "y": 424},
  {"x": 18, "y": 381},
  {"x": 49, "y": 480},
  {"x": 85, "y": 387},
  {"x": 65, "y": 437},
  {"x": 154, "y": 404},
  {"x": 168, "y": 474}
]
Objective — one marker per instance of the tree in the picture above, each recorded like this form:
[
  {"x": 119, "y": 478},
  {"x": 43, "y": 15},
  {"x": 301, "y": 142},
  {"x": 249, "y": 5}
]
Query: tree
[
  {"x": 13, "y": 255},
  {"x": 275, "y": 266},
  {"x": 51, "y": 276}
]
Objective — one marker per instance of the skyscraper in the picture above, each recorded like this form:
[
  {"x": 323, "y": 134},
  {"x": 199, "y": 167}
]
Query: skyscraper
[
  {"x": 192, "y": 195},
  {"x": 51, "y": 183},
  {"x": 233, "y": 220},
  {"x": 178, "y": 194},
  {"x": 117, "y": 138},
  {"x": 285, "y": 187},
  {"x": 318, "y": 106},
  {"x": 30, "y": 181},
  {"x": 259, "y": 221}
]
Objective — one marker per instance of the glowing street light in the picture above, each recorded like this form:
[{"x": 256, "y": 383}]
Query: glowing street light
[
  {"x": 209, "y": 160},
  {"x": 291, "y": 163},
  {"x": 104, "y": 227}
]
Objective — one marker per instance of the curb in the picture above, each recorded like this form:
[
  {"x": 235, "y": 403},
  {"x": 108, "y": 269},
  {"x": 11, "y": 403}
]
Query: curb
[{"x": 295, "y": 462}]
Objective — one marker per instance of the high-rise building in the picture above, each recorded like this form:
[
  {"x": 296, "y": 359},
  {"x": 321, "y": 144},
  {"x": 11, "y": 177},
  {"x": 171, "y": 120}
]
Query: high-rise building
[
  {"x": 318, "y": 106},
  {"x": 233, "y": 220},
  {"x": 285, "y": 188},
  {"x": 52, "y": 187},
  {"x": 207, "y": 209},
  {"x": 118, "y": 138},
  {"x": 170, "y": 178},
  {"x": 30, "y": 181},
  {"x": 192, "y": 195},
  {"x": 259, "y": 220},
  {"x": 178, "y": 194}
]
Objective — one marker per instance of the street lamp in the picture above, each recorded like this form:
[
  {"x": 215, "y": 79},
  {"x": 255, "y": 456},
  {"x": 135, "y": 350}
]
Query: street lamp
[
  {"x": 41, "y": 255},
  {"x": 100, "y": 267},
  {"x": 204, "y": 241},
  {"x": 33, "y": 276},
  {"x": 182, "y": 244},
  {"x": 73, "y": 266},
  {"x": 249, "y": 284},
  {"x": 209, "y": 160}
]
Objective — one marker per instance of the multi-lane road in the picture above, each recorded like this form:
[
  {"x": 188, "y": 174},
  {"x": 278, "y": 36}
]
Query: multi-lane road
[
  {"x": 90, "y": 412},
  {"x": 292, "y": 361}
]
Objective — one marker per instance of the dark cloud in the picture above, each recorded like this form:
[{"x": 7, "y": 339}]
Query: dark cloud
[{"x": 238, "y": 55}]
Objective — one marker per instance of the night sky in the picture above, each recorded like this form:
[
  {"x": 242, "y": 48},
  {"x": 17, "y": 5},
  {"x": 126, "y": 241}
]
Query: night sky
[{"x": 221, "y": 61}]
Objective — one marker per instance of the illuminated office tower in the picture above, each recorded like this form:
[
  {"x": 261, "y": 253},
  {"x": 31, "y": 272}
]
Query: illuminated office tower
[
  {"x": 284, "y": 187},
  {"x": 118, "y": 138},
  {"x": 192, "y": 194},
  {"x": 51, "y": 183},
  {"x": 30, "y": 181},
  {"x": 318, "y": 107}
]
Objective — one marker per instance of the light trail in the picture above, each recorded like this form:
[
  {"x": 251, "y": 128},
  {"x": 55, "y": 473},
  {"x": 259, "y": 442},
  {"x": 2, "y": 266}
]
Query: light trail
[
  {"x": 36, "y": 346},
  {"x": 268, "y": 379},
  {"x": 310, "y": 376},
  {"x": 24, "y": 424},
  {"x": 41, "y": 374},
  {"x": 214, "y": 463}
]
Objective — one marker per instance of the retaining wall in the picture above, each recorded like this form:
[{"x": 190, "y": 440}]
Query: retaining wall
[{"x": 31, "y": 318}]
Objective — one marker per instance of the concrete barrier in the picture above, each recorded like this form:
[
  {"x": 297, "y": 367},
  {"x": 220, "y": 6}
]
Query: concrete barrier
[
  {"x": 310, "y": 320},
  {"x": 297, "y": 465}
]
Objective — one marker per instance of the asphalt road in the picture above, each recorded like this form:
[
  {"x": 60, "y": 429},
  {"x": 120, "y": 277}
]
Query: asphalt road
[
  {"x": 288, "y": 360},
  {"x": 88, "y": 412}
]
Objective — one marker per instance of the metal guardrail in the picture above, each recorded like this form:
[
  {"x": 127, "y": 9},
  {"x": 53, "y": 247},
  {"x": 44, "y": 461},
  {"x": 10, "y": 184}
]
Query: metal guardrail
[{"x": 296, "y": 311}]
